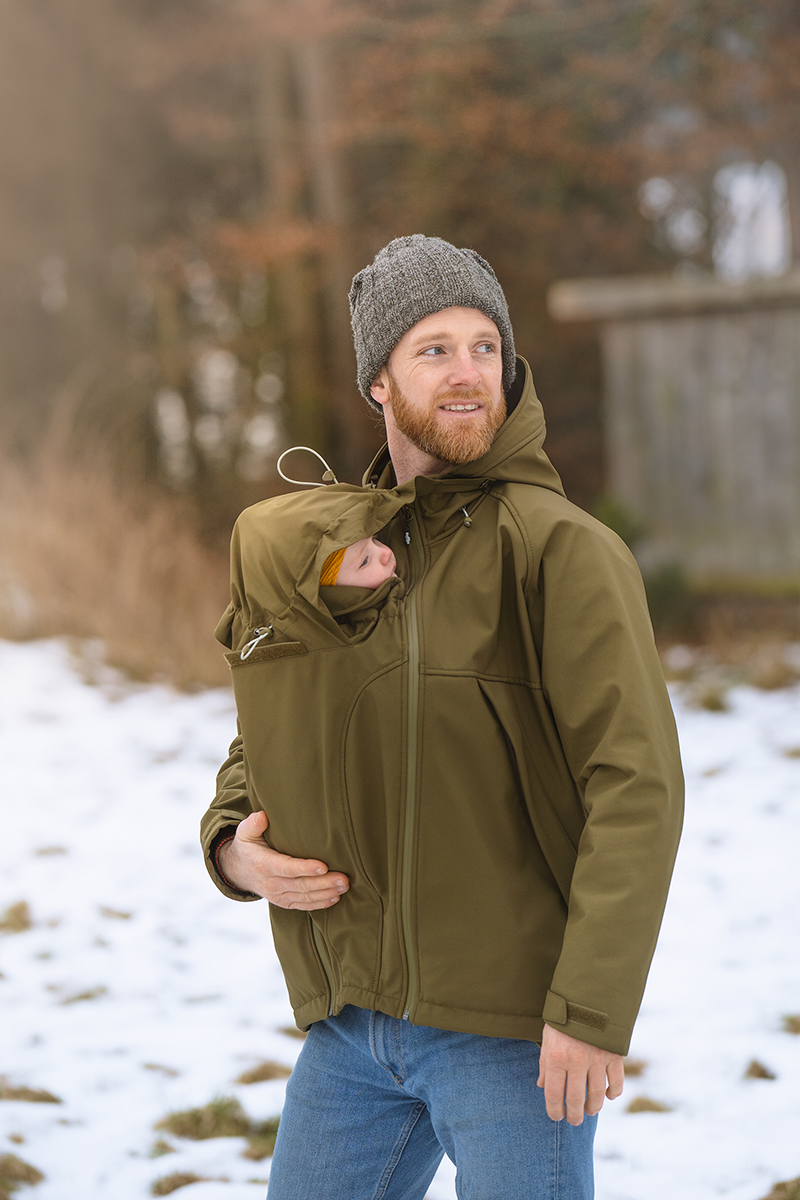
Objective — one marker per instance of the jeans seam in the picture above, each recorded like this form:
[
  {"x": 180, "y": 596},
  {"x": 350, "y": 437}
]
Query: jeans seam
[
  {"x": 399, "y": 1147},
  {"x": 398, "y": 1049},
  {"x": 373, "y": 1045}
]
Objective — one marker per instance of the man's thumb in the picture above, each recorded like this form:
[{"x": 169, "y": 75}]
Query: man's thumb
[{"x": 254, "y": 825}]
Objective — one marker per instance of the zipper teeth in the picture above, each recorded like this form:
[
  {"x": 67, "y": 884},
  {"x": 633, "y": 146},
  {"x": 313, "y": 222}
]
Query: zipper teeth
[{"x": 411, "y": 794}]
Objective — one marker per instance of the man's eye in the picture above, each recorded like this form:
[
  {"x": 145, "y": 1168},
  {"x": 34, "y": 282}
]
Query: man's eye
[
  {"x": 434, "y": 350},
  {"x": 487, "y": 346}
]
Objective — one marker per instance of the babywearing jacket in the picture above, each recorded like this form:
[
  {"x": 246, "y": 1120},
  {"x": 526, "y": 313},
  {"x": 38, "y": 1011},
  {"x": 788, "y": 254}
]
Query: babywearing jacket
[{"x": 485, "y": 746}]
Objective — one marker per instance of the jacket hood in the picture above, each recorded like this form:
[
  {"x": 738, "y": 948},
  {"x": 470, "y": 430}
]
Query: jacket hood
[
  {"x": 516, "y": 454},
  {"x": 280, "y": 545}
]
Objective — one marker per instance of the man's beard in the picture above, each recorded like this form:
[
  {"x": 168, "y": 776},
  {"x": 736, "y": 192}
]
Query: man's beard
[{"x": 457, "y": 441}]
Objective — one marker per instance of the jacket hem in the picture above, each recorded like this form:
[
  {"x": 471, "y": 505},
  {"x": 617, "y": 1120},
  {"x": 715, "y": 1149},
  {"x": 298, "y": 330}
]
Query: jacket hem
[{"x": 436, "y": 1016}]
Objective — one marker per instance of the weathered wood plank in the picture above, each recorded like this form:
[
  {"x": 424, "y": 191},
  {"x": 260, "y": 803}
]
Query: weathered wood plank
[{"x": 702, "y": 425}]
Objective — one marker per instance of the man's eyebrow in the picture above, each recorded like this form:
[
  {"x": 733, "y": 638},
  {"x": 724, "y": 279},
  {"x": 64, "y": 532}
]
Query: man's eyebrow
[{"x": 487, "y": 335}]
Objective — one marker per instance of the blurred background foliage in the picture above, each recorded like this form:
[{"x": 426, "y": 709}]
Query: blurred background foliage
[{"x": 189, "y": 186}]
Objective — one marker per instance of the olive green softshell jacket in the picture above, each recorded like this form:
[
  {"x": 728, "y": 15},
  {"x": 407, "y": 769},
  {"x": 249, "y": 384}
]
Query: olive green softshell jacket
[{"x": 485, "y": 746}]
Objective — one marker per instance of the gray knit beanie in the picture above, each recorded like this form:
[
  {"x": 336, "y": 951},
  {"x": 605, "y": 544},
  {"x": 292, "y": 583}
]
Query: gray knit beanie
[{"x": 411, "y": 278}]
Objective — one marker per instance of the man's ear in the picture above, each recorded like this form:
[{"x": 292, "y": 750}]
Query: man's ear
[{"x": 379, "y": 388}]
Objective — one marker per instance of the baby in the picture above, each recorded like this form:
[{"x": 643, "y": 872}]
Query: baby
[{"x": 367, "y": 563}]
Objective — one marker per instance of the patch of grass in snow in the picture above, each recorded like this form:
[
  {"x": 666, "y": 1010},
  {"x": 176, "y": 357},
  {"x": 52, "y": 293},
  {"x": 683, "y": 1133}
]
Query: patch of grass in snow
[
  {"x": 772, "y": 673},
  {"x": 641, "y": 1104},
  {"x": 170, "y": 1072},
  {"x": 635, "y": 1066},
  {"x": 292, "y": 1031},
  {"x": 261, "y": 1145},
  {"x": 14, "y": 1172},
  {"x": 223, "y": 1117},
  {"x": 160, "y": 1147},
  {"x": 264, "y": 1071},
  {"x": 32, "y": 1095},
  {"x": 50, "y": 851},
  {"x": 757, "y": 1070},
  {"x": 115, "y": 914},
  {"x": 16, "y": 918},
  {"x": 791, "y": 1023},
  {"x": 171, "y": 1183},
  {"x": 712, "y": 697},
  {"x": 792, "y": 752},
  {"x": 789, "y": 1189},
  {"x": 89, "y": 994}
]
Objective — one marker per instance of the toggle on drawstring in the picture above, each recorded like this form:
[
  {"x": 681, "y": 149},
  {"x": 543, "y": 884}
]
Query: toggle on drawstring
[
  {"x": 328, "y": 477},
  {"x": 467, "y": 518},
  {"x": 261, "y": 634}
]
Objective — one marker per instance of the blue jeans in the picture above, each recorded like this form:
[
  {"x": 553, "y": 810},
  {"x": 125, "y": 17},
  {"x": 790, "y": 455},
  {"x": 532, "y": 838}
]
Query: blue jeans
[{"x": 374, "y": 1102}]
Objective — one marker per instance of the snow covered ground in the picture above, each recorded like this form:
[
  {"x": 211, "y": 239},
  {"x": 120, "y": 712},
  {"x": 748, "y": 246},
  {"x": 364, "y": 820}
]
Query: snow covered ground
[{"x": 139, "y": 990}]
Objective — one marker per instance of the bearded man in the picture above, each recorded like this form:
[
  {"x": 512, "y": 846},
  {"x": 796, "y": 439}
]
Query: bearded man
[{"x": 489, "y": 809}]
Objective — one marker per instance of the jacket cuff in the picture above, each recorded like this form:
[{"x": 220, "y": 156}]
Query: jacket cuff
[{"x": 586, "y": 1024}]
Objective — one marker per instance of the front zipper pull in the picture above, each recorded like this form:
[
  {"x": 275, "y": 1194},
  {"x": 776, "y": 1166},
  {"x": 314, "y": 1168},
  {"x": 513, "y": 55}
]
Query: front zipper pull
[
  {"x": 407, "y": 519},
  {"x": 467, "y": 518},
  {"x": 260, "y": 635}
]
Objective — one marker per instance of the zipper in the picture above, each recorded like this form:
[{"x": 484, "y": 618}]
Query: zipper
[
  {"x": 409, "y": 817},
  {"x": 325, "y": 960}
]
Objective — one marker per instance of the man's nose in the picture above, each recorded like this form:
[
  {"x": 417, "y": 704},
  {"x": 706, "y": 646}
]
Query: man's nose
[{"x": 463, "y": 372}]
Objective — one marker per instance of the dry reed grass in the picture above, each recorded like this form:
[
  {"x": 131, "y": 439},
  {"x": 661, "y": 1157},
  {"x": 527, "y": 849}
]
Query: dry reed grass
[{"x": 85, "y": 555}]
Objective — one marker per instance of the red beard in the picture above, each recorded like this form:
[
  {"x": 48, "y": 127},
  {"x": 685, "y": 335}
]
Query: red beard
[{"x": 457, "y": 441}]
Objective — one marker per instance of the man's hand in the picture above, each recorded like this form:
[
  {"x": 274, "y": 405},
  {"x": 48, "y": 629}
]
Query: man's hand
[
  {"x": 569, "y": 1066},
  {"x": 250, "y": 864}
]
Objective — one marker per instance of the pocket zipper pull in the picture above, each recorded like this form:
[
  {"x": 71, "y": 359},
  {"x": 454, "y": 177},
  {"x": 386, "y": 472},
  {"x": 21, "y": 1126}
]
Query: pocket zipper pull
[
  {"x": 247, "y": 650},
  {"x": 467, "y": 518}
]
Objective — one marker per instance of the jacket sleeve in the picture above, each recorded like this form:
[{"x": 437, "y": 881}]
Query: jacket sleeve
[
  {"x": 602, "y": 679},
  {"x": 231, "y": 803}
]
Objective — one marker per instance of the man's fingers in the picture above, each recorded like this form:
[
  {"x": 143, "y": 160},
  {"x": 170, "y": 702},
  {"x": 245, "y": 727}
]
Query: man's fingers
[
  {"x": 595, "y": 1089},
  {"x": 253, "y": 866},
  {"x": 576, "y": 1096},
  {"x": 295, "y": 868},
  {"x": 616, "y": 1077},
  {"x": 312, "y": 875},
  {"x": 555, "y": 1080}
]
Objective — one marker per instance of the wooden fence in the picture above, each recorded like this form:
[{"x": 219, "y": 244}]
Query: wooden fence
[{"x": 702, "y": 418}]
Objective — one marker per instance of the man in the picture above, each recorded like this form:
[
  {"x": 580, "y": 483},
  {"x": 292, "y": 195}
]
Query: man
[{"x": 490, "y": 767}]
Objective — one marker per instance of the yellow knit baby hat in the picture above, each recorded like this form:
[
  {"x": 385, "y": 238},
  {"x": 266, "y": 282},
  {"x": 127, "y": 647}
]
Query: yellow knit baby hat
[{"x": 331, "y": 566}]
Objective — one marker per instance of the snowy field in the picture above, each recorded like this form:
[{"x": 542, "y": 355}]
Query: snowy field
[{"x": 138, "y": 990}]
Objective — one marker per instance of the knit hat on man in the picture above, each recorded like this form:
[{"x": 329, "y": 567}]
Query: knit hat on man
[{"x": 411, "y": 278}]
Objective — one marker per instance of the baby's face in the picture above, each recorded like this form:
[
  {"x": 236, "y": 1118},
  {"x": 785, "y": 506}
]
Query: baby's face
[{"x": 366, "y": 564}]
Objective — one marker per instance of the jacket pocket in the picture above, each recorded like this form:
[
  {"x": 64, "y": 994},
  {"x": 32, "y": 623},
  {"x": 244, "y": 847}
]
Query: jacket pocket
[
  {"x": 541, "y": 775},
  {"x": 294, "y": 944},
  {"x": 264, "y": 654}
]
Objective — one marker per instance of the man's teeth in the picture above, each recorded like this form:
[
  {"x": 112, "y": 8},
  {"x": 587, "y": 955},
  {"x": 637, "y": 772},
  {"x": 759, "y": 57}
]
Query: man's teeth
[{"x": 460, "y": 407}]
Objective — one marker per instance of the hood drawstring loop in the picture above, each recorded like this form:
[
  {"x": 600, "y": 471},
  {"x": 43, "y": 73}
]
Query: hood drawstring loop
[
  {"x": 485, "y": 486},
  {"x": 328, "y": 477},
  {"x": 260, "y": 634}
]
